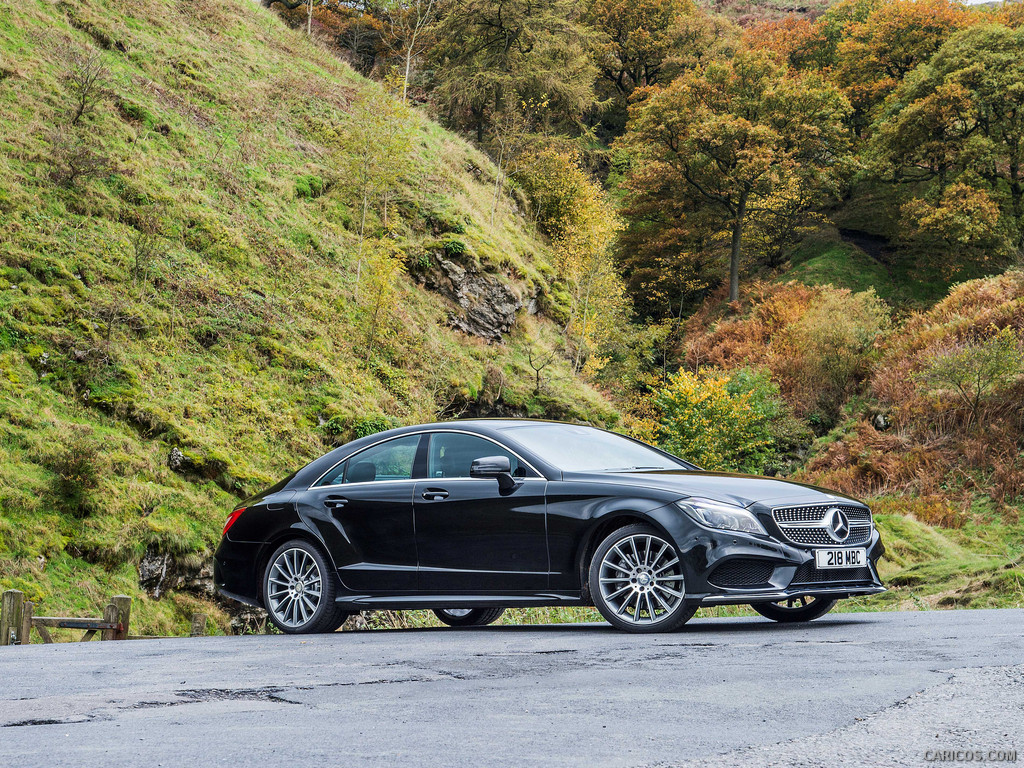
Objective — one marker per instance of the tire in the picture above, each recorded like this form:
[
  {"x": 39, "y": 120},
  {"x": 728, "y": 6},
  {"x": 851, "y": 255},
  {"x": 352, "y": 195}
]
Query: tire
[
  {"x": 299, "y": 590},
  {"x": 468, "y": 617},
  {"x": 810, "y": 608},
  {"x": 627, "y": 583}
]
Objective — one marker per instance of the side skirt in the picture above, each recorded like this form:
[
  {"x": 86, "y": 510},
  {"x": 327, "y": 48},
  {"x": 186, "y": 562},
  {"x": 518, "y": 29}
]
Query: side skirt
[{"x": 427, "y": 602}]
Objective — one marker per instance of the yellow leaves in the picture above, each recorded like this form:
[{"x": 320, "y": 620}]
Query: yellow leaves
[
  {"x": 963, "y": 214},
  {"x": 701, "y": 420},
  {"x": 383, "y": 265},
  {"x": 575, "y": 213}
]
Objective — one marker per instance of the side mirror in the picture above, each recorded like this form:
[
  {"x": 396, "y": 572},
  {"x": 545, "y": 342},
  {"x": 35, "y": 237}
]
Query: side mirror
[{"x": 498, "y": 467}]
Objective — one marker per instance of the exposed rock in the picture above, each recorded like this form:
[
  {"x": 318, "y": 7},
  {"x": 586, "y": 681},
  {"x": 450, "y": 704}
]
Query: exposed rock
[
  {"x": 153, "y": 571},
  {"x": 247, "y": 619},
  {"x": 488, "y": 305},
  {"x": 197, "y": 582},
  {"x": 176, "y": 459}
]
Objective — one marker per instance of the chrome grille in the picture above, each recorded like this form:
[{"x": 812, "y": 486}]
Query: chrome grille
[{"x": 806, "y": 525}]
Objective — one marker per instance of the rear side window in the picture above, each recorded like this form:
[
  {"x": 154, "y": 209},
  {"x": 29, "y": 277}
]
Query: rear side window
[
  {"x": 393, "y": 460},
  {"x": 451, "y": 454}
]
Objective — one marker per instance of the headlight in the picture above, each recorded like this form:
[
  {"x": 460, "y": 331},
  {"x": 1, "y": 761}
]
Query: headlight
[{"x": 715, "y": 514}]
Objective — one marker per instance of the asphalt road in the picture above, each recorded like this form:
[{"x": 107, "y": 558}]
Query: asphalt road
[{"x": 849, "y": 689}]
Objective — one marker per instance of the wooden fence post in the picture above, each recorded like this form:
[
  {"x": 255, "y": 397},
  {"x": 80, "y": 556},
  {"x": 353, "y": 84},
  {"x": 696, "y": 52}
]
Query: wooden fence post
[
  {"x": 123, "y": 603},
  {"x": 109, "y": 615},
  {"x": 27, "y": 612},
  {"x": 198, "y": 625},
  {"x": 10, "y": 616}
]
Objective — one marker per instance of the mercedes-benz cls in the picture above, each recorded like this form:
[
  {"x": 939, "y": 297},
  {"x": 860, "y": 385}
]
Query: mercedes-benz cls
[{"x": 468, "y": 518}]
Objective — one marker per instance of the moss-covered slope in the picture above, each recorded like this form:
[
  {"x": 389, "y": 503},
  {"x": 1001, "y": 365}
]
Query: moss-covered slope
[{"x": 179, "y": 319}]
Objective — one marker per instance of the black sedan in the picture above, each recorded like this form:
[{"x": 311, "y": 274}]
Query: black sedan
[{"x": 470, "y": 517}]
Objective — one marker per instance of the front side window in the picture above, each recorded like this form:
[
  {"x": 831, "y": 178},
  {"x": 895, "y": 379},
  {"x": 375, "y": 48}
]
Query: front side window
[
  {"x": 392, "y": 460},
  {"x": 452, "y": 454}
]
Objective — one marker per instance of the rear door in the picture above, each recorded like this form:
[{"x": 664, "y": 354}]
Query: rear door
[
  {"x": 471, "y": 536},
  {"x": 364, "y": 511}
]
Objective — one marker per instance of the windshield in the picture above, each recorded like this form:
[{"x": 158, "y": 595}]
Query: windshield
[{"x": 585, "y": 449}]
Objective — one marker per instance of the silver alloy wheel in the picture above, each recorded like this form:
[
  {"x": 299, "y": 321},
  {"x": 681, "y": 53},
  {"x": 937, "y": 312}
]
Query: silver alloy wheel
[
  {"x": 642, "y": 575},
  {"x": 295, "y": 587},
  {"x": 457, "y": 613}
]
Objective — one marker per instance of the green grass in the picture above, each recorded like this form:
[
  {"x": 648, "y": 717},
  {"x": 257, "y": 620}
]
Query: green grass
[
  {"x": 822, "y": 258},
  {"x": 240, "y": 341}
]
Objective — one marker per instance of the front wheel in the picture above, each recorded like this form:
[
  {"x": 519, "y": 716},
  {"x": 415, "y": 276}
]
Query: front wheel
[
  {"x": 636, "y": 579},
  {"x": 803, "y": 608},
  {"x": 468, "y": 617}
]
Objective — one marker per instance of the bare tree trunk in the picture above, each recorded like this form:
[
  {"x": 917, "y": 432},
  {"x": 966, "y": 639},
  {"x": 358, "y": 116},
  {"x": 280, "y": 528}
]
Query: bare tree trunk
[
  {"x": 737, "y": 245},
  {"x": 309, "y": 18},
  {"x": 362, "y": 229},
  {"x": 408, "y": 69},
  {"x": 497, "y": 179}
]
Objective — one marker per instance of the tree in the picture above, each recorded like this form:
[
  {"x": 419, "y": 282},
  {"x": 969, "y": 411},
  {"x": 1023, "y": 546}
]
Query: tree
[
  {"x": 373, "y": 152},
  {"x": 958, "y": 121},
  {"x": 827, "y": 349},
  {"x": 649, "y": 42},
  {"x": 727, "y": 136},
  {"x": 384, "y": 266},
  {"x": 640, "y": 43},
  {"x": 494, "y": 55},
  {"x": 291, "y": 5},
  {"x": 893, "y": 39},
  {"x": 975, "y": 370},
  {"x": 718, "y": 421},
  {"x": 573, "y": 210},
  {"x": 408, "y": 22}
]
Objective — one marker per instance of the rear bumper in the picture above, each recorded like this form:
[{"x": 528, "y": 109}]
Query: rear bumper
[{"x": 235, "y": 566}]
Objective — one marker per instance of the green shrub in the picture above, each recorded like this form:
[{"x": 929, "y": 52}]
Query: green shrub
[
  {"x": 371, "y": 425},
  {"x": 309, "y": 186},
  {"x": 827, "y": 351},
  {"x": 722, "y": 422},
  {"x": 76, "y": 470},
  {"x": 973, "y": 371}
]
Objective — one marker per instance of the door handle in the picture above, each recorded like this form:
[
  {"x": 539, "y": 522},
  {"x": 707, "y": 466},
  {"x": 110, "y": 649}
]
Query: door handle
[
  {"x": 335, "y": 502},
  {"x": 435, "y": 494}
]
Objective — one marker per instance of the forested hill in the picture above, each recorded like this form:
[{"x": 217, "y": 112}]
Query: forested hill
[{"x": 221, "y": 253}]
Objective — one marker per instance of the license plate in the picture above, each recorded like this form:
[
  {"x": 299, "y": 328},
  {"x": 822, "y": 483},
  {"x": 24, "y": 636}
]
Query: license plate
[{"x": 840, "y": 558}]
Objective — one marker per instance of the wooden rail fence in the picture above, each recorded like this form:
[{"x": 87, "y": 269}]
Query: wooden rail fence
[{"x": 18, "y": 619}]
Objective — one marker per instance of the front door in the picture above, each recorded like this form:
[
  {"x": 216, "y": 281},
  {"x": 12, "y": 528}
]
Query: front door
[
  {"x": 471, "y": 536},
  {"x": 365, "y": 515}
]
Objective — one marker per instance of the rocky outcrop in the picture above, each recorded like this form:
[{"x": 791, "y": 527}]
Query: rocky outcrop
[{"x": 487, "y": 305}]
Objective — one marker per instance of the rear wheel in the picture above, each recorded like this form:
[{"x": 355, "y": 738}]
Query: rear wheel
[
  {"x": 636, "y": 579},
  {"x": 468, "y": 617},
  {"x": 802, "y": 608},
  {"x": 299, "y": 590}
]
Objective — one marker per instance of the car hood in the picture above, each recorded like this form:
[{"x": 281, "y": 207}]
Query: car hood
[{"x": 742, "y": 490}]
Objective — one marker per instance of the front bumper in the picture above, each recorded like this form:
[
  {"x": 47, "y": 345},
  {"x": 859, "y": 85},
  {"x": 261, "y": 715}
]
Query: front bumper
[
  {"x": 787, "y": 570},
  {"x": 833, "y": 591}
]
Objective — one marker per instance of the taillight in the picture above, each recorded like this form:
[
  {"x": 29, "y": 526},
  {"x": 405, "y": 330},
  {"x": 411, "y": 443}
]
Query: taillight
[{"x": 231, "y": 519}]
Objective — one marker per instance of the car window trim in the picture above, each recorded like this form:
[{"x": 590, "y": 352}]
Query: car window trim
[
  {"x": 420, "y": 434},
  {"x": 363, "y": 450}
]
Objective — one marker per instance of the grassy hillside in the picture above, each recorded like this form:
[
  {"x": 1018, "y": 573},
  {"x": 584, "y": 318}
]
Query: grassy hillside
[{"x": 180, "y": 320}]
